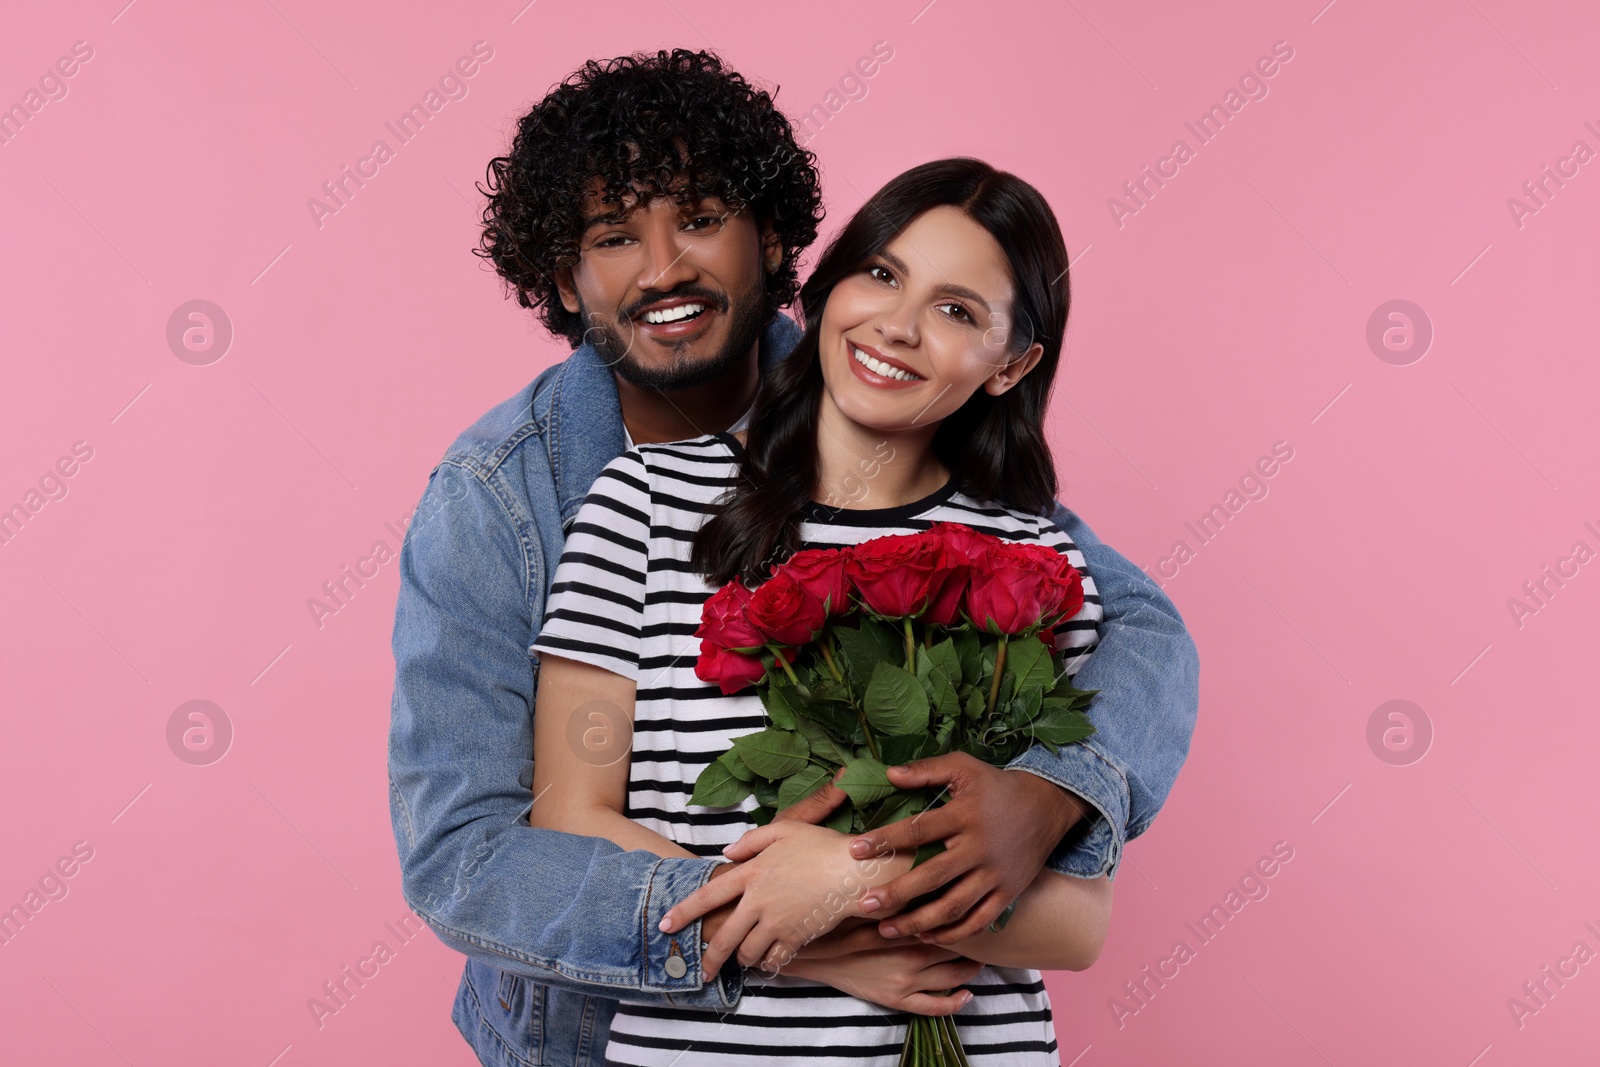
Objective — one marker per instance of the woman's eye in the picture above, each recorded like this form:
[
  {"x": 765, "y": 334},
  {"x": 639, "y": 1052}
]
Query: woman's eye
[
  {"x": 613, "y": 241},
  {"x": 957, "y": 312},
  {"x": 702, "y": 222},
  {"x": 879, "y": 273}
]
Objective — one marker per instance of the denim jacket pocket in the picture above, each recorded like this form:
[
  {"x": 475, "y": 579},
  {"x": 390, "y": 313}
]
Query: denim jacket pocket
[{"x": 511, "y": 1020}]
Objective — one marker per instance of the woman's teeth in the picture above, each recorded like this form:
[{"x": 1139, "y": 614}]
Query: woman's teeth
[
  {"x": 682, "y": 311},
  {"x": 877, "y": 366}
]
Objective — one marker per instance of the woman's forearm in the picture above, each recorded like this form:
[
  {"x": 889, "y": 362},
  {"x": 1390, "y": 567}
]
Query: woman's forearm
[
  {"x": 1060, "y": 925},
  {"x": 609, "y": 824}
]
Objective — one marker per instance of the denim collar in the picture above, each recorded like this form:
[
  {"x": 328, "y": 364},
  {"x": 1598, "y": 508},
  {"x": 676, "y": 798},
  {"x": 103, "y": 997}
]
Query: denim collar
[{"x": 585, "y": 431}]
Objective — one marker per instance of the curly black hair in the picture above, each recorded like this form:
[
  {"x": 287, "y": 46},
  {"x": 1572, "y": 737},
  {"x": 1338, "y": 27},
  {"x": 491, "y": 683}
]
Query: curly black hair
[{"x": 678, "y": 124}]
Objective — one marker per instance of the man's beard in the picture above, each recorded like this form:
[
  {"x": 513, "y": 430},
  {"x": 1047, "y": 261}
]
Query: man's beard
[{"x": 744, "y": 329}]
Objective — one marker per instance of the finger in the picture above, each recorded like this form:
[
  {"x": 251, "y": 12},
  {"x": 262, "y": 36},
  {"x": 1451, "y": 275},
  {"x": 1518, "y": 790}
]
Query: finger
[
  {"x": 935, "y": 770},
  {"x": 893, "y": 895},
  {"x": 727, "y": 939},
  {"x": 935, "y": 824},
  {"x": 942, "y": 976},
  {"x": 703, "y": 901},
  {"x": 984, "y": 912},
  {"x": 756, "y": 944},
  {"x": 932, "y": 1004},
  {"x": 952, "y": 905},
  {"x": 751, "y": 843}
]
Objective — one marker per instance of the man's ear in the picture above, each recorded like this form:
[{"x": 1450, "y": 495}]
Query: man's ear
[
  {"x": 1013, "y": 372},
  {"x": 771, "y": 247},
  {"x": 568, "y": 291}
]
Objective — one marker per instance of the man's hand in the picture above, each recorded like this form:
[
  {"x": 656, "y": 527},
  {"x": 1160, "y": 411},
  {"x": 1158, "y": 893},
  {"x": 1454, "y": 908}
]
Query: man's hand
[{"x": 998, "y": 828}]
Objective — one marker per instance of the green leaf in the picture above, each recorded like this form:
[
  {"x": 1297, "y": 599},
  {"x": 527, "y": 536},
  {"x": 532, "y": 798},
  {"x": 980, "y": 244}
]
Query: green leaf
[
  {"x": 895, "y": 808},
  {"x": 716, "y": 788},
  {"x": 927, "y": 852},
  {"x": 763, "y": 814},
  {"x": 859, "y": 652},
  {"x": 969, "y": 653},
  {"x": 841, "y": 818},
  {"x": 823, "y": 745},
  {"x": 772, "y": 753},
  {"x": 1060, "y": 727},
  {"x": 779, "y": 709},
  {"x": 943, "y": 656},
  {"x": 946, "y": 702},
  {"x": 900, "y": 749},
  {"x": 730, "y": 759},
  {"x": 1028, "y": 661},
  {"x": 766, "y": 793},
  {"x": 866, "y": 782},
  {"x": 977, "y": 703},
  {"x": 801, "y": 784},
  {"x": 895, "y": 702}
]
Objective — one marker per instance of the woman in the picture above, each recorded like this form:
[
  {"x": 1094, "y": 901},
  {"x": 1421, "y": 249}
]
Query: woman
[{"x": 934, "y": 326}]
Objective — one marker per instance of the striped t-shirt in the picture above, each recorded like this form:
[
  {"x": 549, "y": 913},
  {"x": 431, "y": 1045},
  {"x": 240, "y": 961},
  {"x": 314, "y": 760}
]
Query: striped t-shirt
[{"x": 625, "y": 598}]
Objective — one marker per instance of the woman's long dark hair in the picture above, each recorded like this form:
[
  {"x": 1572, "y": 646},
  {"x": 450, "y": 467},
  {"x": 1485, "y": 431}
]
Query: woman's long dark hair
[{"x": 994, "y": 446}]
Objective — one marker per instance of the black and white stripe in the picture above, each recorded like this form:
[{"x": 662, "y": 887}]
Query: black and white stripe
[{"x": 626, "y": 599}]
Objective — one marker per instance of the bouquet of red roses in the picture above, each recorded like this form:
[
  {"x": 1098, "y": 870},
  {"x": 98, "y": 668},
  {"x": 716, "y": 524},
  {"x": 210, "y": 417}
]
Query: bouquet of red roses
[{"x": 900, "y": 648}]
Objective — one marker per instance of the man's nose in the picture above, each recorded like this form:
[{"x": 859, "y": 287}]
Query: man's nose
[{"x": 667, "y": 262}]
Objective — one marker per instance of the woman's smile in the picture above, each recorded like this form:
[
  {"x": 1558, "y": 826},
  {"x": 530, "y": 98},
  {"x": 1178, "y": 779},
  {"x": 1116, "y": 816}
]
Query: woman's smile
[{"x": 878, "y": 370}]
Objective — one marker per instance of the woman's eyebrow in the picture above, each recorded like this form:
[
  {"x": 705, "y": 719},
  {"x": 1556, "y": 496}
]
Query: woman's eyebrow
[{"x": 948, "y": 288}]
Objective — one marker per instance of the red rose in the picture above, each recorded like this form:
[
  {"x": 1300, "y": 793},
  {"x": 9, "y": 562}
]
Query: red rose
[
  {"x": 964, "y": 539},
  {"x": 820, "y": 573},
  {"x": 908, "y": 575},
  {"x": 1018, "y": 587},
  {"x": 725, "y": 620},
  {"x": 728, "y": 669},
  {"x": 784, "y": 613}
]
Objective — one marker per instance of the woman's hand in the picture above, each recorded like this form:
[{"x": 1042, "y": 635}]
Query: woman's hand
[
  {"x": 913, "y": 977},
  {"x": 802, "y": 884}
]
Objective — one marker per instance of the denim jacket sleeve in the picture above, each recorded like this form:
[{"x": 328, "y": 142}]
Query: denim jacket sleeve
[
  {"x": 1147, "y": 670},
  {"x": 573, "y": 911}
]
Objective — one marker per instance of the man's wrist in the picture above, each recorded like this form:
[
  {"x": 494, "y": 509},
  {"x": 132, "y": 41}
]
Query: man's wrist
[{"x": 1062, "y": 805}]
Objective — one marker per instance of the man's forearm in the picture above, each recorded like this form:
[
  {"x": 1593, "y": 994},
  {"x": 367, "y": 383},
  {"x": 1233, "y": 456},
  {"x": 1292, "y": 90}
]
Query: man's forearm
[
  {"x": 1147, "y": 671},
  {"x": 578, "y": 912}
]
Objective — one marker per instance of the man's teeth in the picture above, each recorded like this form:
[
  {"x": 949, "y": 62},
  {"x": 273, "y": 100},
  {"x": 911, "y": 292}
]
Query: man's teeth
[
  {"x": 682, "y": 311},
  {"x": 877, "y": 366}
]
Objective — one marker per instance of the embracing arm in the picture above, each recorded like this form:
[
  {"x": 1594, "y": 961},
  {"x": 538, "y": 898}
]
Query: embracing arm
[
  {"x": 1148, "y": 673},
  {"x": 1060, "y": 925},
  {"x": 488, "y": 883},
  {"x": 578, "y": 787}
]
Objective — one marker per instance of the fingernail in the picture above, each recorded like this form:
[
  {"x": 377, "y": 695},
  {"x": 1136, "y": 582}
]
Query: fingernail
[
  {"x": 727, "y": 848},
  {"x": 966, "y": 1000},
  {"x": 860, "y": 847},
  {"x": 665, "y": 926},
  {"x": 870, "y": 903},
  {"x": 891, "y": 931},
  {"x": 705, "y": 975}
]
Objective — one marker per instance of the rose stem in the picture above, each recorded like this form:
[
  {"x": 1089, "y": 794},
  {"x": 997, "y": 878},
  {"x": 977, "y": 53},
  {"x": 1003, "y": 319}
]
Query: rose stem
[{"x": 999, "y": 671}]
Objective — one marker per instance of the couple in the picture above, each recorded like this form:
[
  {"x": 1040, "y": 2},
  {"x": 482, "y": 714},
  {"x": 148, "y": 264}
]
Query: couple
[{"x": 548, "y": 725}]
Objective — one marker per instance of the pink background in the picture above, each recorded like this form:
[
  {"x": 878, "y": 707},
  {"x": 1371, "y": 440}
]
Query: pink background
[{"x": 1229, "y": 313}]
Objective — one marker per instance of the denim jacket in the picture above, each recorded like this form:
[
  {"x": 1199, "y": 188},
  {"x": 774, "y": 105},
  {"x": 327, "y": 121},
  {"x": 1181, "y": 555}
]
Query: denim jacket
[{"x": 557, "y": 927}]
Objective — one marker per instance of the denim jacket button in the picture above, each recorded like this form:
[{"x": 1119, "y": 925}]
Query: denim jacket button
[{"x": 676, "y": 967}]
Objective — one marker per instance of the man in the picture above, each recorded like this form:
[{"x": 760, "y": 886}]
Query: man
[{"x": 652, "y": 211}]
